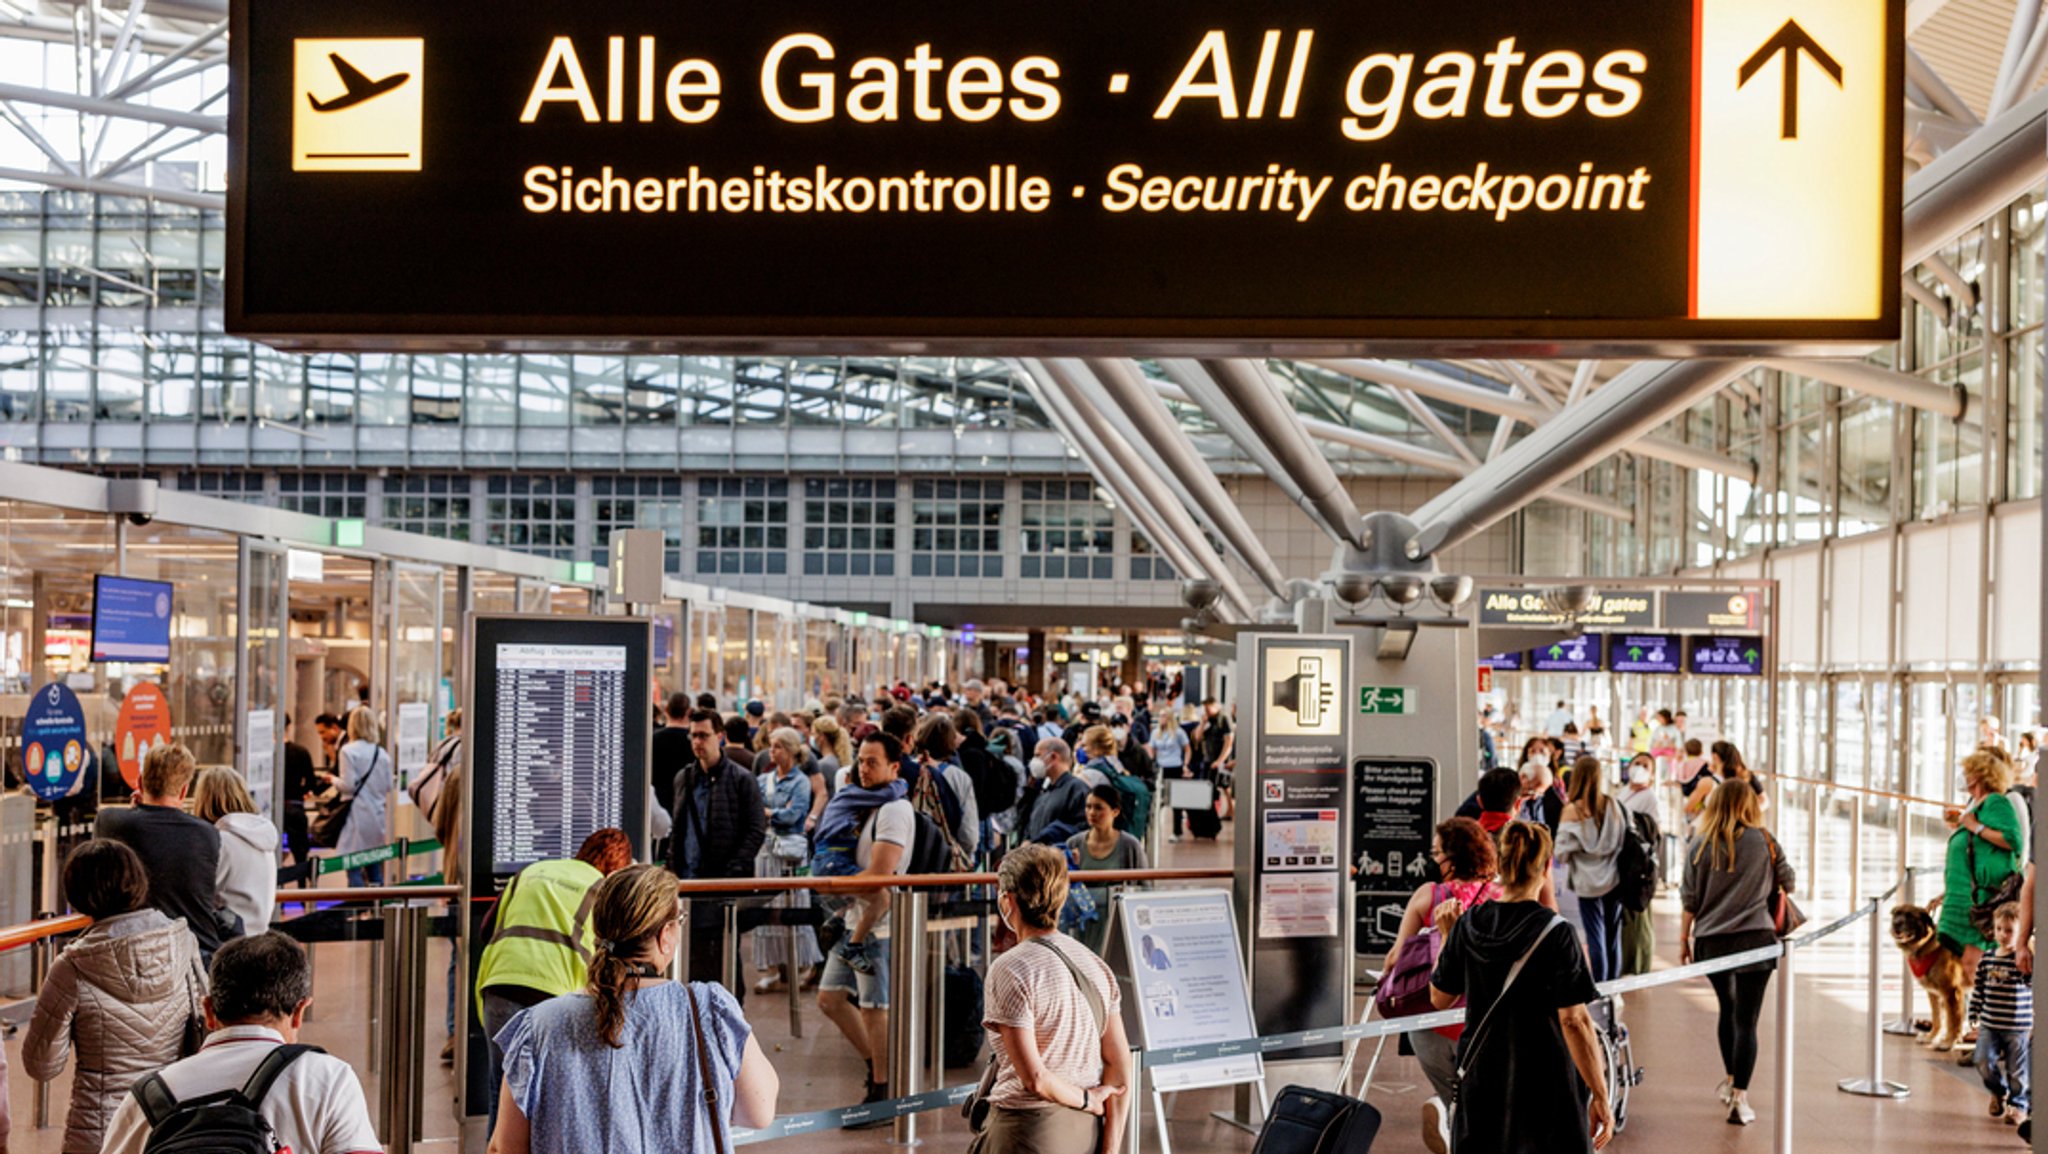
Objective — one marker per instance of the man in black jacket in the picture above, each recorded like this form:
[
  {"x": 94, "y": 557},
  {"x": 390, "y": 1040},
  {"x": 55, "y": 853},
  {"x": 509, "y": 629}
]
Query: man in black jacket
[
  {"x": 179, "y": 851},
  {"x": 719, "y": 826}
]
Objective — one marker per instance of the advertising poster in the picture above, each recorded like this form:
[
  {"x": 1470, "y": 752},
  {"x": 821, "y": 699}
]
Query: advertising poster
[
  {"x": 53, "y": 743},
  {"x": 143, "y": 724},
  {"x": 1393, "y": 823},
  {"x": 1189, "y": 983},
  {"x": 259, "y": 763}
]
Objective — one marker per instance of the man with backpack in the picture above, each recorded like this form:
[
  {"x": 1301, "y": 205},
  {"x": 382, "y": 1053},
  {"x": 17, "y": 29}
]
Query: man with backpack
[
  {"x": 251, "y": 1086},
  {"x": 878, "y": 840}
]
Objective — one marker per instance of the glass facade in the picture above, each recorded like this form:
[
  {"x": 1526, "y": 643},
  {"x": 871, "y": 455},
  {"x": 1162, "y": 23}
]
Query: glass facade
[
  {"x": 1068, "y": 532},
  {"x": 956, "y": 528},
  {"x": 849, "y": 527},
  {"x": 742, "y": 525}
]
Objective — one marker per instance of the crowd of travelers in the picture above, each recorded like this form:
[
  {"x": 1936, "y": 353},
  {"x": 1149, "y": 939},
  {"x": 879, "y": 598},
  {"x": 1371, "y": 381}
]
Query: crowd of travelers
[{"x": 1539, "y": 892}]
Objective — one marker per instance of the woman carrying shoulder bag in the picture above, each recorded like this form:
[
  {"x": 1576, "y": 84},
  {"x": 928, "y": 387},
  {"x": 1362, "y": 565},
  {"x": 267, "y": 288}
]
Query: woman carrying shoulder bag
[
  {"x": 363, "y": 775},
  {"x": 1059, "y": 1063},
  {"x": 1733, "y": 872},
  {"x": 633, "y": 1063},
  {"x": 1530, "y": 1073}
]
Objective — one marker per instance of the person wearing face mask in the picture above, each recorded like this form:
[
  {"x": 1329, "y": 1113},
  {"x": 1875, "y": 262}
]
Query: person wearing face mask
[{"x": 1061, "y": 808}]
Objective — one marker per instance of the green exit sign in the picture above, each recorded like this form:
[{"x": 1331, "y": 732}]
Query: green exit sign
[{"x": 1386, "y": 699}]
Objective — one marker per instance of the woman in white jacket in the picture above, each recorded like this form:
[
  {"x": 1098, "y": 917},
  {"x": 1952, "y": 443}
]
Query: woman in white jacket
[
  {"x": 247, "y": 874},
  {"x": 1590, "y": 833}
]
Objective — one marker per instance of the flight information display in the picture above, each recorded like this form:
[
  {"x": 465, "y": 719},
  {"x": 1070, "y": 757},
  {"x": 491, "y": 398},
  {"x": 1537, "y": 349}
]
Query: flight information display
[
  {"x": 560, "y": 740},
  {"x": 559, "y": 737}
]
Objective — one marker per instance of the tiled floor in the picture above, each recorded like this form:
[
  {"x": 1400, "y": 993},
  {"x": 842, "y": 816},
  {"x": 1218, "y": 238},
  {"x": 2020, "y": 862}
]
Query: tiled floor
[{"x": 1673, "y": 1027}]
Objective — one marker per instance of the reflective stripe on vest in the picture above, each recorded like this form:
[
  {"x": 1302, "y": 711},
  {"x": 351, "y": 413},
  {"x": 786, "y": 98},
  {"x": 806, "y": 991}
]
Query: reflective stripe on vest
[{"x": 541, "y": 936}]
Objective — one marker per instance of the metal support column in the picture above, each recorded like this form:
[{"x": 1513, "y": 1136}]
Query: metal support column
[{"x": 906, "y": 990}]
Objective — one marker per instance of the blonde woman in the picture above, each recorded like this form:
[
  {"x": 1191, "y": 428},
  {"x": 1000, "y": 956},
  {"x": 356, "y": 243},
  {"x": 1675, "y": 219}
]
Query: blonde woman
[
  {"x": 363, "y": 775},
  {"x": 1987, "y": 846},
  {"x": 247, "y": 873},
  {"x": 1059, "y": 1064},
  {"x": 1731, "y": 870},
  {"x": 633, "y": 1063}
]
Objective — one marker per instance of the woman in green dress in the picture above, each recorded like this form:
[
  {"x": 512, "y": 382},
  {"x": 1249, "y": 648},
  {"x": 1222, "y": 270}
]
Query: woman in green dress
[{"x": 1988, "y": 834}]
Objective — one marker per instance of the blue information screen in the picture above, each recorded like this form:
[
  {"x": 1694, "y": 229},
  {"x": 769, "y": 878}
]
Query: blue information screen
[
  {"x": 131, "y": 619},
  {"x": 1642, "y": 652},
  {"x": 1725, "y": 656},
  {"x": 1504, "y": 662},
  {"x": 1573, "y": 655}
]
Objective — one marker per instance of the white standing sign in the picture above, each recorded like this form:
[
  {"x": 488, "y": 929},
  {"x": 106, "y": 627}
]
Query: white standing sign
[
  {"x": 1188, "y": 984},
  {"x": 412, "y": 738},
  {"x": 259, "y": 756}
]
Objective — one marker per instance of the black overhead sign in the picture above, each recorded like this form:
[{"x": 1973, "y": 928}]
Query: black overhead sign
[{"x": 1143, "y": 176}]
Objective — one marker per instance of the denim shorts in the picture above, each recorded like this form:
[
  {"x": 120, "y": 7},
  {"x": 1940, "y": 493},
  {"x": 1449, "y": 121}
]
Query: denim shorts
[{"x": 871, "y": 991}]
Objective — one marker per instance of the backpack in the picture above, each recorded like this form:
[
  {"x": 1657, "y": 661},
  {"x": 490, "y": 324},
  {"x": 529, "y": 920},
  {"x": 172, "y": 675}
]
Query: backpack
[
  {"x": 225, "y": 1122},
  {"x": 1637, "y": 865},
  {"x": 935, "y": 847},
  {"x": 995, "y": 785},
  {"x": 1134, "y": 816}
]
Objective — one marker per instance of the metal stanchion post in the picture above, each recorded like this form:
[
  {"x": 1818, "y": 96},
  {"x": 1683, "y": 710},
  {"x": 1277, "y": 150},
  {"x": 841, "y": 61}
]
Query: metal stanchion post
[
  {"x": 39, "y": 971},
  {"x": 1781, "y": 1120},
  {"x": 394, "y": 1098},
  {"x": 416, "y": 982},
  {"x": 729, "y": 947},
  {"x": 1875, "y": 1085},
  {"x": 1903, "y": 1024},
  {"x": 935, "y": 1008},
  {"x": 906, "y": 1002},
  {"x": 377, "y": 1007}
]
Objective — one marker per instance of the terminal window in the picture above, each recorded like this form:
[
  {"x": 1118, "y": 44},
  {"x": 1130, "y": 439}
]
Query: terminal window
[
  {"x": 638, "y": 503},
  {"x": 227, "y": 486},
  {"x": 957, "y": 528},
  {"x": 436, "y": 504},
  {"x": 743, "y": 525},
  {"x": 1069, "y": 532},
  {"x": 849, "y": 527},
  {"x": 1147, "y": 563},
  {"x": 533, "y": 514},
  {"x": 324, "y": 494}
]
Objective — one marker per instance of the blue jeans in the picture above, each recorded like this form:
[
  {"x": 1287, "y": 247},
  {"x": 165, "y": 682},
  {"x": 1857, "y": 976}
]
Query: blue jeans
[
  {"x": 368, "y": 877},
  {"x": 2002, "y": 1060},
  {"x": 1601, "y": 918}
]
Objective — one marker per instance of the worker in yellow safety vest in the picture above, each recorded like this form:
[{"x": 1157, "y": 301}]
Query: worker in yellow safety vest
[{"x": 539, "y": 937}]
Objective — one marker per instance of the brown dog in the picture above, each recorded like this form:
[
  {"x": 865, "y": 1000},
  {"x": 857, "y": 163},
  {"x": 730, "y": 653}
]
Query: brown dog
[{"x": 1940, "y": 972}]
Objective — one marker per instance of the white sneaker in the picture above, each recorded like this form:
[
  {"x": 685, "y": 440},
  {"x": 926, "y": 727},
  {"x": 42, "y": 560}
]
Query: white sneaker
[
  {"x": 1740, "y": 1114},
  {"x": 1726, "y": 1091},
  {"x": 1436, "y": 1126}
]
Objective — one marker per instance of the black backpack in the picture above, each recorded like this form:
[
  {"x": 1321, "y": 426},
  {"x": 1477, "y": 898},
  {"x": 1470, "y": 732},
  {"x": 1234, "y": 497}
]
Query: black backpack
[
  {"x": 931, "y": 851},
  {"x": 224, "y": 1122},
  {"x": 995, "y": 783},
  {"x": 1637, "y": 866}
]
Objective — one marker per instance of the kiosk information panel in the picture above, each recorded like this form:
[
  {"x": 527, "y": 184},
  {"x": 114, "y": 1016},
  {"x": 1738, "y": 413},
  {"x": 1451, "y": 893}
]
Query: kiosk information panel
[
  {"x": 560, "y": 742},
  {"x": 557, "y": 749}
]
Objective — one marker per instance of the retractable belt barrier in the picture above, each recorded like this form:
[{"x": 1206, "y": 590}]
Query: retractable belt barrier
[{"x": 952, "y": 1096}]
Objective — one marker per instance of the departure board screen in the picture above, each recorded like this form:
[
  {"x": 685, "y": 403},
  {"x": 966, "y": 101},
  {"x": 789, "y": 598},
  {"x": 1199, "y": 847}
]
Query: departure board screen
[{"x": 560, "y": 737}]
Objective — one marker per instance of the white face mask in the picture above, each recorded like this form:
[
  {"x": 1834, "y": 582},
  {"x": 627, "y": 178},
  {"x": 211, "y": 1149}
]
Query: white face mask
[
  {"x": 1639, "y": 775},
  {"x": 1038, "y": 767},
  {"x": 1122, "y": 735},
  {"x": 1542, "y": 759}
]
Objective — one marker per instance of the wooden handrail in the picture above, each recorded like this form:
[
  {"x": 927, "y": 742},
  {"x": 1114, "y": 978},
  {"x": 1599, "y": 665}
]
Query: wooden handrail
[
  {"x": 1867, "y": 791},
  {"x": 29, "y": 933}
]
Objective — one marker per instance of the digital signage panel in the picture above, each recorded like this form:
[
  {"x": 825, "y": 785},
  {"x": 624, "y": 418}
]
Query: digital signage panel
[
  {"x": 131, "y": 619},
  {"x": 1725, "y": 656},
  {"x": 1064, "y": 175},
  {"x": 1643, "y": 653},
  {"x": 1572, "y": 655}
]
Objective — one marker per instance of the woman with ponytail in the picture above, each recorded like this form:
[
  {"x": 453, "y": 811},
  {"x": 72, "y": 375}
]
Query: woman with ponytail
[
  {"x": 634, "y": 1063},
  {"x": 1531, "y": 1079}
]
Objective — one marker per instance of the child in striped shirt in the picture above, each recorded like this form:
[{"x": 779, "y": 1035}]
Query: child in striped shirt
[{"x": 2002, "y": 1006}]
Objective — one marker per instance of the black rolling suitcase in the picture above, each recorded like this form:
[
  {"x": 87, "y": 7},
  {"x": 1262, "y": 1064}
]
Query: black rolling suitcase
[
  {"x": 1204, "y": 823},
  {"x": 1306, "y": 1120}
]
